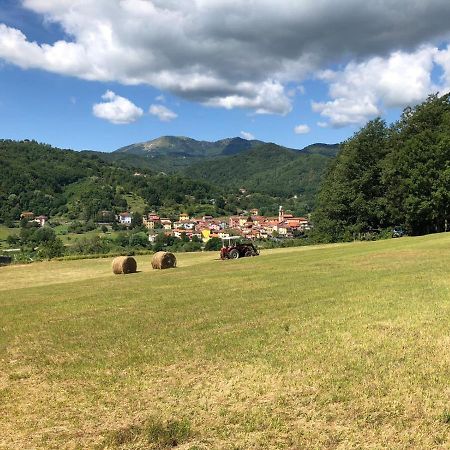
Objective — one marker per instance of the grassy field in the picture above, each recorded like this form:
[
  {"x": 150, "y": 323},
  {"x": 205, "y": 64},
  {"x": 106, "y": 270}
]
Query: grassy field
[
  {"x": 337, "y": 347},
  {"x": 4, "y": 233},
  {"x": 136, "y": 203}
]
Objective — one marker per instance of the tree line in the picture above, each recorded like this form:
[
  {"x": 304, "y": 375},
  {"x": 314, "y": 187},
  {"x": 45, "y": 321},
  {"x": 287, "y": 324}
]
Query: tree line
[{"x": 386, "y": 176}]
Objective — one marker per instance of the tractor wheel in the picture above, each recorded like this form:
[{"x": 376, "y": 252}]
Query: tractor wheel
[
  {"x": 233, "y": 254},
  {"x": 248, "y": 253}
]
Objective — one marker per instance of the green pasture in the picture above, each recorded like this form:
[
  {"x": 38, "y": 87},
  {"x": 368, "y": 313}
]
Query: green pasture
[
  {"x": 5, "y": 232},
  {"x": 343, "y": 346}
]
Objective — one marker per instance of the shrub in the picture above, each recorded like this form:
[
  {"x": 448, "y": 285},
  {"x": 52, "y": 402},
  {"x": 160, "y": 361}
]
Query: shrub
[
  {"x": 51, "y": 249},
  {"x": 214, "y": 244}
]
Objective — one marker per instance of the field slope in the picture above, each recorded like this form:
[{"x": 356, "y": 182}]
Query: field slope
[{"x": 340, "y": 346}]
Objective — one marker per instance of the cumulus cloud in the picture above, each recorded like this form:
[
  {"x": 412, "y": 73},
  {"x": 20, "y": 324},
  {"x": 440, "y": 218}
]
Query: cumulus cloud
[
  {"x": 231, "y": 54},
  {"x": 163, "y": 113},
  {"x": 265, "y": 98},
  {"x": 302, "y": 129},
  {"x": 247, "y": 135},
  {"x": 361, "y": 91},
  {"x": 442, "y": 58},
  {"x": 116, "y": 109}
]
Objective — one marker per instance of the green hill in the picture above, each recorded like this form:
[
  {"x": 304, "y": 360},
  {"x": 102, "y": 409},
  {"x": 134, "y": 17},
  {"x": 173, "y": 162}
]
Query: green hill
[
  {"x": 339, "y": 346},
  {"x": 172, "y": 154},
  {"x": 52, "y": 181},
  {"x": 268, "y": 169},
  {"x": 78, "y": 185},
  {"x": 187, "y": 147},
  {"x": 323, "y": 149},
  {"x": 233, "y": 163}
]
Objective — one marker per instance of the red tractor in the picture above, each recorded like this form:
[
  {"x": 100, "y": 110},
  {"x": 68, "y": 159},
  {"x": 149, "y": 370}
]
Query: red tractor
[{"x": 232, "y": 248}]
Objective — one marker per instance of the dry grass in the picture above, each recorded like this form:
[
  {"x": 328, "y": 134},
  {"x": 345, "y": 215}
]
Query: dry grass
[{"x": 338, "y": 347}]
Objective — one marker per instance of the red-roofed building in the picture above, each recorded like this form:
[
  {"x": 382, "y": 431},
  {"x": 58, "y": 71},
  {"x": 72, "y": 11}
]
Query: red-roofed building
[
  {"x": 151, "y": 221},
  {"x": 28, "y": 215}
]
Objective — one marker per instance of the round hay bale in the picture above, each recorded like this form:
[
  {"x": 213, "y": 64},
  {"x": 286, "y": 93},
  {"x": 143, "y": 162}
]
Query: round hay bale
[
  {"x": 124, "y": 264},
  {"x": 164, "y": 260}
]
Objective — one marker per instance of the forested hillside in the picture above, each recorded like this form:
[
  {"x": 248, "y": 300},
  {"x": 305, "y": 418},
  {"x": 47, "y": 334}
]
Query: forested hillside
[
  {"x": 268, "y": 169},
  {"x": 51, "y": 181},
  {"x": 79, "y": 185},
  {"x": 278, "y": 173},
  {"x": 391, "y": 176},
  {"x": 171, "y": 154}
]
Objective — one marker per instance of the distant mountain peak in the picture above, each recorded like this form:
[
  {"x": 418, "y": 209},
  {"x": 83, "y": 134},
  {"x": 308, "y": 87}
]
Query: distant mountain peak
[{"x": 184, "y": 146}]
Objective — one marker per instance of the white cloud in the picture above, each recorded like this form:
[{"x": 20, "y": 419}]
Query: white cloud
[
  {"x": 442, "y": 58},
  {"x": 361, "y": 91},
  {"x": 116, "y": 109},
  {"x": 164, "y": 114},
  {"x": 302, "y": 129},
  {"x": 347, "y": 111},
  {"x": 247, "y": 135},
  {"x": 231, "y": 54},
  {"x": 268, "y": 97}
]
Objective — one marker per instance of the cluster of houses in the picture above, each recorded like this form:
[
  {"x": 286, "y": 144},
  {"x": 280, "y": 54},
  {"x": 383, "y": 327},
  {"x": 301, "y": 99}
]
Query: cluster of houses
[
  {"x": 250, "y": 226},
  {"x": 29, "y": 216}
]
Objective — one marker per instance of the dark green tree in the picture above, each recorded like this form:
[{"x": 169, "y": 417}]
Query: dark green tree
[{"x": 351, "y": 199}]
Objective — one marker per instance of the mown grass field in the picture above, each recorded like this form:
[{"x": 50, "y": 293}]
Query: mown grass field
[{"x": 336, "y": 347}]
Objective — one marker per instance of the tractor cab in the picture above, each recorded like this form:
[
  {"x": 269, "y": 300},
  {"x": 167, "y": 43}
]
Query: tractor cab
[{"x": 234, "y": 248}]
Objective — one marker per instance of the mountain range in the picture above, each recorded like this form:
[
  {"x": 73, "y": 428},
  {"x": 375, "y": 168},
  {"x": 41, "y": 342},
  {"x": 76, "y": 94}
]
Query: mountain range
[
  {"x": 233, "y": 163},
  {"x": 175, "y": 154},
  {"x": 168, "y": 174},
  {"x": 182, "y": 146}
]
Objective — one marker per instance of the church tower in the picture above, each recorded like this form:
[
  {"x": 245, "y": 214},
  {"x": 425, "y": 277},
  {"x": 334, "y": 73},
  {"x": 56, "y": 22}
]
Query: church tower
[{"x": 280, "y": 214}]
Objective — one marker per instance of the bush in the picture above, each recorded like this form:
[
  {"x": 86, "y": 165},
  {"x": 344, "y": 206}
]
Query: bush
[
  {"x": 138, "y": 240},
  {"x": 51, "y": 249},
  {"x": 214, "y": 244},
  {"x": 13, "y": 239},
  {"x": 190, "y": 247},
  {"x": 89, "y": 245},
  {"x": 76, "y": 227}
]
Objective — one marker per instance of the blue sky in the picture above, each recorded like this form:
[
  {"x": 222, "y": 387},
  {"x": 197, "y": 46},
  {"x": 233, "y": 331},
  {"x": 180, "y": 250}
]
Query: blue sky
[{"x": 234, "y": 84}]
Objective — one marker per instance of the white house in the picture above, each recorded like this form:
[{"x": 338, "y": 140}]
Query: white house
[{"x": 125, "y": 218}]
